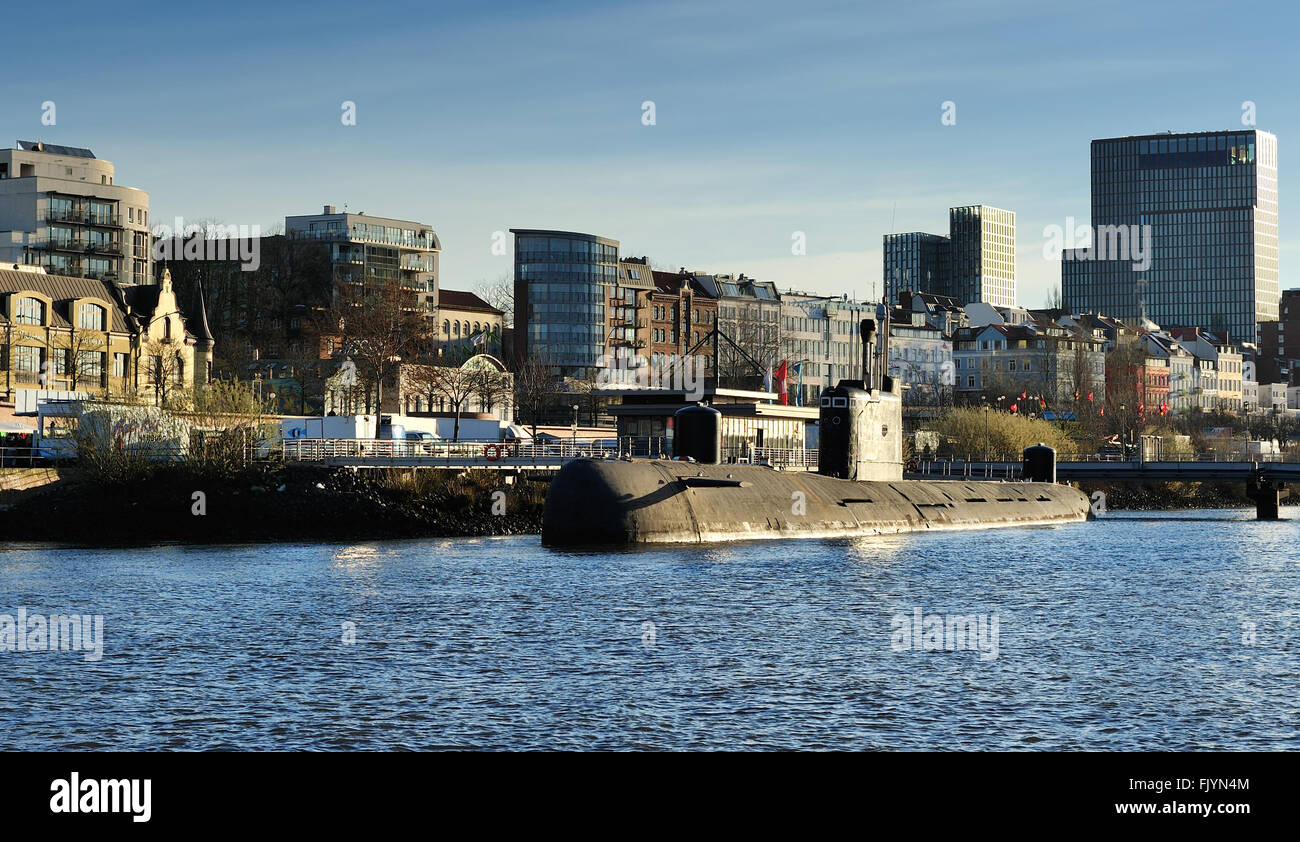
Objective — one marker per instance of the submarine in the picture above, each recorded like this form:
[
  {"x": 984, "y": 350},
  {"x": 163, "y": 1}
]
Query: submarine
[{"x": 858, "y": 489}]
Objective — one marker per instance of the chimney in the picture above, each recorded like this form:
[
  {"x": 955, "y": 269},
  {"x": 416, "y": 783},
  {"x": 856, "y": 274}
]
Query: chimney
[{"x": 330, "y": 209}]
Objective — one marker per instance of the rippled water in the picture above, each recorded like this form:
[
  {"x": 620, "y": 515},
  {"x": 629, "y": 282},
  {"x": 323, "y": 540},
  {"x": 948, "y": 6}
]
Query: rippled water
[{"x": 1126, "y": 633}]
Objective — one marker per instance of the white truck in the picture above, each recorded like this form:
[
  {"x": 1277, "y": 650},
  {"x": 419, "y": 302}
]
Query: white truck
[
  {"x": 144, "y": 430},
  {"x": 328, "y": 427}
]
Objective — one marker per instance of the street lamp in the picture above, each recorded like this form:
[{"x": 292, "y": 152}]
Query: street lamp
[{"x": 575, "y": 425}]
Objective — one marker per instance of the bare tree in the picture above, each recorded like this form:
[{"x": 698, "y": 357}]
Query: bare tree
[
  {"x": 453, "y": 386},
  {"x": 492, "y": 387},
  {"x": 501, "y": 295},
  {"x": 377, "y": 331},
  {"x": 534, "y": 388},
  {"x": 84, "y": 351}
]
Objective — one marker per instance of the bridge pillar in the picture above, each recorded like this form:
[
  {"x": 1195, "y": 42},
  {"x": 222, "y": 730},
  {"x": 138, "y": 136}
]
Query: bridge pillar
[{"x": 1268, "y": 496}]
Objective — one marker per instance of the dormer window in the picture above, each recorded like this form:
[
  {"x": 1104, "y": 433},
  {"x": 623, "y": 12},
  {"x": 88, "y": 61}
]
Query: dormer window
[
  {"x": 31, "y": 311},
  {"x": 91, "y": 317}
]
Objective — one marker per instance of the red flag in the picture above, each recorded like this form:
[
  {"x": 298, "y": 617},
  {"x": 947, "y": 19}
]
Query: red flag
[
  {"x": 782, "y": 376},
  {"x": 1103, "y": 411},
  {"x": 1024, "y": 395},
  {"x": 1013, "y": 407},
  {"x": 1090, "y": 396}
]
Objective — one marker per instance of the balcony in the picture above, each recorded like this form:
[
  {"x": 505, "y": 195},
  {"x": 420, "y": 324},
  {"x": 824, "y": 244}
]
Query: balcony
[
  {"x": 74, "y": 244},
  {"x": 78, "y": 216}
]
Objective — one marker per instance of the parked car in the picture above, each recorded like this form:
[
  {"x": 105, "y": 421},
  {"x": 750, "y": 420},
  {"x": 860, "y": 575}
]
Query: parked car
[{"x": 422, "y": 441}]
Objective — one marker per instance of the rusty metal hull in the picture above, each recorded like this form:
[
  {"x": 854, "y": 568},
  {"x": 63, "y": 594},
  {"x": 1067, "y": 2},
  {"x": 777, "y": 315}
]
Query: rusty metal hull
[{"x": 619, "y": 503}]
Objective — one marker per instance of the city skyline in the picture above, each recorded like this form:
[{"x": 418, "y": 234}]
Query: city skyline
[{"x": 837, "y": 143}]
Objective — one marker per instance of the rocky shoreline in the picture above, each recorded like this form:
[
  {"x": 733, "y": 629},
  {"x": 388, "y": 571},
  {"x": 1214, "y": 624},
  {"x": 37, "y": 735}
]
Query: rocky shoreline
[{"x": 283, "y": 503}]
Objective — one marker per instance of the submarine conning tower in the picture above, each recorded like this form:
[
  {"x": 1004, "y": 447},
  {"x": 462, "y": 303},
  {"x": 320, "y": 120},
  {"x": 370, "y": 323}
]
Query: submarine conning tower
[{"x": 861, "y": 421}]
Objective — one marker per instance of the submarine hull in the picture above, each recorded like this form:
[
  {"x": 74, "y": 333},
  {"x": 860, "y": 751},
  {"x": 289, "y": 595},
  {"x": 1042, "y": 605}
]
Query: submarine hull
[{"x": 619, "y": 503}]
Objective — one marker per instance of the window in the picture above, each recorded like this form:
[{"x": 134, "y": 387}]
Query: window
[
  {"x": 27, "y": 358},
  {"x": 90, "y": 365},
  {"x": 91, "y": 317},
  {"x": 31, "y": 311},
  {"x": 119, "y": 365}
]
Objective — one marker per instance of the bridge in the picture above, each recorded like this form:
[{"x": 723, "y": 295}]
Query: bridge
[{"x": 1265, "y": 479}]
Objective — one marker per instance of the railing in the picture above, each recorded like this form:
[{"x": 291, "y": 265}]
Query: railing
[
  {"x": 553, "y": 452},
  {"x": 1009, "y": 466},
  {"x": 473, "y": 451},
  {"x": 1201, "y": 456},
  {"x": 788, "y": 459},
  {"x": 20, "y": 457}
]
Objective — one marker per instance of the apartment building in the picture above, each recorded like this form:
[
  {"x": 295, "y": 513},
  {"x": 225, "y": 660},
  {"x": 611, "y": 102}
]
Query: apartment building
[
  {"x": 1218, "y": 368},
  {"x": 61, "y": 208},
  {"x": 749, "y": 312},
  {"x": 677, "y": 318},
  {"x": 1052, "y": 361},
  {"x": 920, "y": 359},
  {"x": 369, "y": 252}
]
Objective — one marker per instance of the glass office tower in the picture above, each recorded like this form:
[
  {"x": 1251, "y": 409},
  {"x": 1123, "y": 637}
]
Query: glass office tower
[
  {"x": 975, "y": 262},
  {"x": 983, "y": 254},
  {"x": 561, "y": 283},
  {"x": 918, "y": 262},
  {"x": 1210, "y": 199}
]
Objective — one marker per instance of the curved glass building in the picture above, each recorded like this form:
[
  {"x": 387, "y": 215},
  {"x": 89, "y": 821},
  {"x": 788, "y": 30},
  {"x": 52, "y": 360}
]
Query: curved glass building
[{"x": 562, "y": 282}]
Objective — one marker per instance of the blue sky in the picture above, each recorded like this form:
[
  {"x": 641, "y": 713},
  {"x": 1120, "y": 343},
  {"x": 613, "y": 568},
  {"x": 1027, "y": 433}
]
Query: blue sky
[{"x": 771, "y": 118}]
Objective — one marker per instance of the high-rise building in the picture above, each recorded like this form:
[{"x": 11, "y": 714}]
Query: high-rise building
[
  {"x": 975, "y": 262},
  {"x": 918, "y": 262},
  {"x": 371, "y": 251},
  {"x": 1184, "y": 232},
  {"x": 983, "y": 255},
  {"x": 60, "y": 208}
]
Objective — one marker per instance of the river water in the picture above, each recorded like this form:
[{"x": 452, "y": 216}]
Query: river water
[{"x": 1173, "y": 631}]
